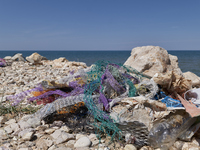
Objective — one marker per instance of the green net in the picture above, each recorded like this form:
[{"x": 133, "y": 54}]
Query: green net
[{"x": 110, "y": 80}]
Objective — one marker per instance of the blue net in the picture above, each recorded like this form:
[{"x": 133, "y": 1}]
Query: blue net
[{"x": 110, "y": 81}]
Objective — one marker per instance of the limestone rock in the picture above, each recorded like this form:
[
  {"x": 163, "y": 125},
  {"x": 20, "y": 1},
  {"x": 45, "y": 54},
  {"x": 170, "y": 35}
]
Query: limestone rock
[
  {"x": 25, "y": 131},
  {"x": 10, "y": 121},
  {"x": 193, "y": 77},
  {"x": 49, "y": 131},
  {"x": 3, "y": 135},
  {"x": 70, "y": 143},
  {"x": 130, "y": 147},
  {"x": 83, "y": 142},
  {"x": 190, "y": 146},
  {"x": 35, "y": 58},
  {"x": 151, "y": 60},
  {"x": 59, "y": 60},
  {"x": 8, "y": 129},
  {"x": 18, "y": 57},
  {"x": 41, "y": 144},
  {"x": 27, "y": 136},
  {"x": 8, "y": 60},
  {"x": 2, "y": 119},
  {"x": 147, "y": 148},
  {"x": 61, "y": 136}
]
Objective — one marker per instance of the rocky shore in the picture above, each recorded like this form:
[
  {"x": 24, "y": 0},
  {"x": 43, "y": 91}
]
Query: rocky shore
[{"x": 22, "y": 74}]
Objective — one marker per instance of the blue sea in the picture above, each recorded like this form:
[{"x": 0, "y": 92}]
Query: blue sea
[{"x": 188, "y": 60}]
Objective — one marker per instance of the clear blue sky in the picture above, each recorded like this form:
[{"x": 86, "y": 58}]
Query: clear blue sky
[{"x": 99, "y": 24}]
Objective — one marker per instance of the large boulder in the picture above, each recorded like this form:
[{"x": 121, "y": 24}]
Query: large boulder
[
  {"x": 35, "y": 58},
  {"x": 150, "y": 60}
]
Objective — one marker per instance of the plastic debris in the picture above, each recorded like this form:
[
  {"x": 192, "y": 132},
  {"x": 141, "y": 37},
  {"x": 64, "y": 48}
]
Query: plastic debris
[
  {"x": 121, "y": 102},
  {"x": 172, "y": 82},
  {"x": 165, "y": 133},
  {"x": 2, "y": 62},
  {"x": 147, "y": 88},
  {"x": 193, "y": 96}
]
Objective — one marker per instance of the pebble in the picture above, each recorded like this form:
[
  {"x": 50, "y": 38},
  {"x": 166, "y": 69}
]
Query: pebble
[
  {"x": 83, "y": 142},
  {"x": 49, "y": 131},
  {"x": 130, "y": 147},
  {"x": 27, "y": 136}
]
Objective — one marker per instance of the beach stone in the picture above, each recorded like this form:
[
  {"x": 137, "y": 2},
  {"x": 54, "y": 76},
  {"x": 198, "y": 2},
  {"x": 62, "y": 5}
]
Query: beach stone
[
  {"x": 41, "y": 144},
  {"x": 151, "y": 60},
  {"x": 23, "y": 132},
  {"x": 66, "y": 129},
  {"x": 27, "y": 136},
  {"x": 60, "y": 136},
  {"x": 147, "y": 148},
  {"x": 78, "y": 136},
  {"x": 8, "y": 129},
  {"x": 24, "y": 148},
  {"x": 3, "y": 135},
  {"x": 35, "y": 58},
  {"x": 63, "y": 148},
  {"x": 10, "y": 121},
  {"x": 193, "y": 77},
  {"x": 18, "y": 57},
  {"x": 49, "y": 131},
  {"x": 190, "y": 146},
  {"x": 2, "y": 119},
  {"x": 70, "y": 143},
  {"x": 130, "y": 147},
  {"x": 83, "y": 142},
  {"x": 59, "y": 60},
  {"x": 178, "y": 144}
]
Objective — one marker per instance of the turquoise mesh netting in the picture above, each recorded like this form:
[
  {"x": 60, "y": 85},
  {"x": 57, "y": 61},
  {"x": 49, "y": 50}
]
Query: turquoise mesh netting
[{"x": 110, "y": 81}]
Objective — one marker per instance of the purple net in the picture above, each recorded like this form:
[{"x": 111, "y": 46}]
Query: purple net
[
  {"x": 2, "y": 62},
  {"x": 16, "y": 99}
]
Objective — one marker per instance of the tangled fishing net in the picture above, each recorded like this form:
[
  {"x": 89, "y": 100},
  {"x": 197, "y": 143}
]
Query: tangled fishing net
[
  {"x": 112, "y": 82},
  {"x": 100, "y": 88}
]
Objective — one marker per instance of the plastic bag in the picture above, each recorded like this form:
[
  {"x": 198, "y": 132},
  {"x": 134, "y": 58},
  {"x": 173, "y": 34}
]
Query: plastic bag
[{"x": 164, "y": 133}]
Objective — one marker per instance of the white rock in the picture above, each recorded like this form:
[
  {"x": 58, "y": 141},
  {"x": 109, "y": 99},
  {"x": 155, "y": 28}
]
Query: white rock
[
  {"x": 41, "y": 144},
  {"x": 49, "y": 131},
  {"x": 70, "y": 143},
  {"x": 130, "y": 147},
  {"x": 63, "y": 148},
  {"x": 66, "y": 129},
  {"x": 27, "y": 136},
  {"x": 23, "y": 132},
  {"x": 78, "y": 136},
  {"x": 92, "y": 137},
  {"x": 52, "y": 147},
  {"x": 14, "y": 127},
  {"x": 2, "y": 119},
  {"x": 178, "y": 144},
  {"x": 18, "y": 57},
  {"x": 3, "y": 135},
  {"x": 23, "y": 149},
  {"x": 193, "y": 77},
  {"x": 10, "y": 121},
  {"x": 151, "y": 60},
  {"x": 23, "y": 124},
  {"x": 83, "y": 142},
  {"x": 61, "y": 136},
  {"x": 35, "y": 58},
  {"x": 8, "y": 129},
  {"x": 190, "y": 146}
]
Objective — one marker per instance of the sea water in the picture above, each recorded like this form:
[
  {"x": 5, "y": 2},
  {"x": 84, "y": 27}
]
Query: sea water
[{"x": 188, "y": 60}]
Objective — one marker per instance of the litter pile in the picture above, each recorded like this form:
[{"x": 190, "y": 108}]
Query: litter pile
[{"x": 121, "y": 102}]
